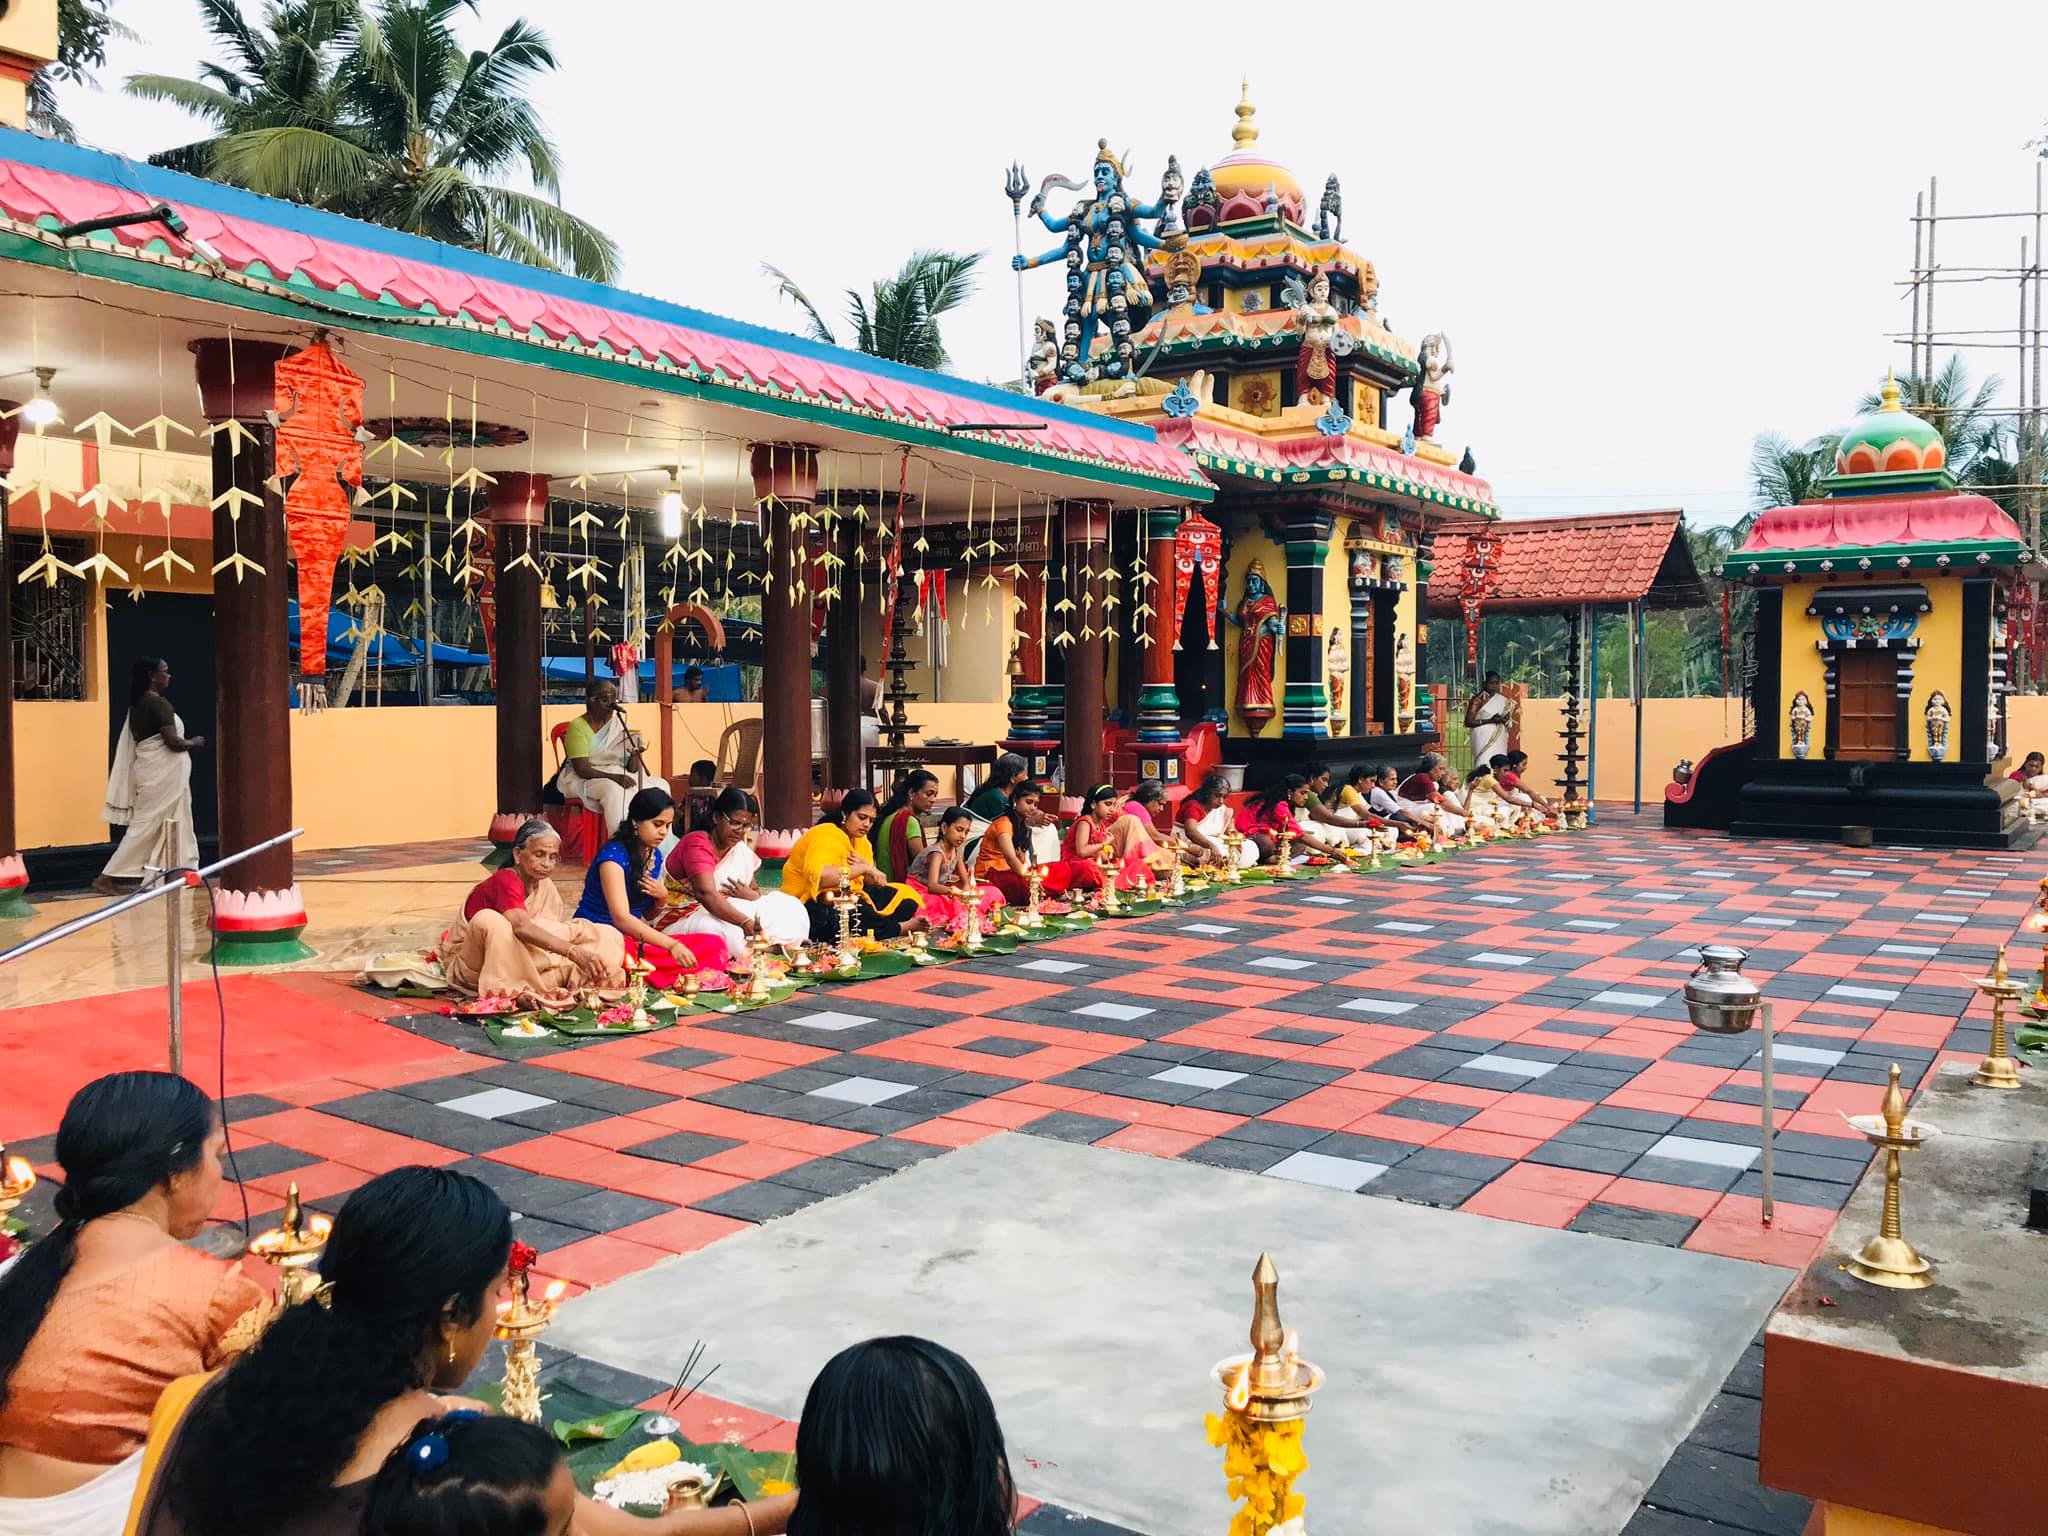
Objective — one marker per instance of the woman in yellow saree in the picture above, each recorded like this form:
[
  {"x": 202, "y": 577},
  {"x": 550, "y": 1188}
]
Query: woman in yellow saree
[{"x": 837, "y": 853}]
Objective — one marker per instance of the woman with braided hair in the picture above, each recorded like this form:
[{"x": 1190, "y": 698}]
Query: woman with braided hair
[
  {"x": 110, "y": 1307},
  {"x": 473, "y": 1474},
  {"x": 287, "y": 1441}
]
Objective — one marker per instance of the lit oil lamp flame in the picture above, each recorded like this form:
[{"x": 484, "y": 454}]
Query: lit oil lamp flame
[
  {"x": 554, "y": 1293},
  {"x": 1239, "y": 1397},
  {"x": 16, "y": 1172}
]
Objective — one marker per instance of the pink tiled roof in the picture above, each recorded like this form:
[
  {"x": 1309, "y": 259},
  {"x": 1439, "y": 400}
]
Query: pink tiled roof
[
  {"x": 1563, "y": 562},
  {"x": 1870, "y": 522}
]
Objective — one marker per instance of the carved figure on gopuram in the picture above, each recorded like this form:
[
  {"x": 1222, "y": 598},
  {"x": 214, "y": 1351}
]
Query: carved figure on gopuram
[{"x": 1103, "y": 251}]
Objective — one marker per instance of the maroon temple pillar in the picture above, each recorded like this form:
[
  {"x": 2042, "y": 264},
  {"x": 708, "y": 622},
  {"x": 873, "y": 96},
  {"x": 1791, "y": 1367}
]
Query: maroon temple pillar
[
  {"x": 1087, "y": 540},
  {"x": 258, "y": 913},
  {"x": 518, "y": 505},
  {"x": 13, "y": 873},
  {"x": 785, "y": 486}
]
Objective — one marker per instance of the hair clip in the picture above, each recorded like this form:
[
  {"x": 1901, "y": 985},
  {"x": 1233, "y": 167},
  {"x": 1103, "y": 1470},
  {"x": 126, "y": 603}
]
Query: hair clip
[
  {"x": 428, "y": 1452},
  {"x": 461, "y": 1415}
]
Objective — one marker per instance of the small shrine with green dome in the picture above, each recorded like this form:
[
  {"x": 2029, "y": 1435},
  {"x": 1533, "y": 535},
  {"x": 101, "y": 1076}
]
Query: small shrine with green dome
[{"x": 1881, "y": 649}]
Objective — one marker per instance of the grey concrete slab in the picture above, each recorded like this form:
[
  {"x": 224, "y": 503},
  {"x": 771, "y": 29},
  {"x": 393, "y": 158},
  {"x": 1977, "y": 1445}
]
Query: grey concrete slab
[{"x": 1486, "y": 1377}]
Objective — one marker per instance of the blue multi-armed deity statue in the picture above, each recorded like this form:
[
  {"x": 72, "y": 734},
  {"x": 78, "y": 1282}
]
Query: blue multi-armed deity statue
[{"x": 1103, "y": 254}]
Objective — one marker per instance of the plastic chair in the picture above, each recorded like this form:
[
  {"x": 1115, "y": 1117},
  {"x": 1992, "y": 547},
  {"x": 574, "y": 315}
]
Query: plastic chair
[{"x": 581, "y": 829}]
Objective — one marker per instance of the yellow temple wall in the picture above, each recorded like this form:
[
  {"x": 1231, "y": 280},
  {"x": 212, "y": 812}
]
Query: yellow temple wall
[
  {"x": 1248, "y": 542},
  {"x": 1937, "y": 666}
]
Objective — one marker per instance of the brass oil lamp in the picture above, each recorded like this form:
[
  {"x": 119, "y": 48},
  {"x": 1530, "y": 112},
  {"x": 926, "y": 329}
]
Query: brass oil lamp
[
  {"x": 17, "y": 1178},
  {"x": 1998, "y": 1070},
  {"x": 293, "y": 1247},
  {"x": 970, "y": 918},
  {"x": 522, "y": 1320},
  {"x": 1105, "y": 865},
  {"x": 638, "y": 969},
  {"x": 757, "y": 988},
  {"x": 1233, "y": 841},
  {"x": 1888, "y": 1259},
  {"x": 1266, "y": 1398},
  {"x": 1034, "y": 890},
  {"x": 1283, "y": 868},
  {"x": 847, "y": 954}
]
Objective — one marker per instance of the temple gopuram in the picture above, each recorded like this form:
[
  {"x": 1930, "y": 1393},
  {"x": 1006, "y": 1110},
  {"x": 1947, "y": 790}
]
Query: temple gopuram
[{"x": 1245, "y": 331}]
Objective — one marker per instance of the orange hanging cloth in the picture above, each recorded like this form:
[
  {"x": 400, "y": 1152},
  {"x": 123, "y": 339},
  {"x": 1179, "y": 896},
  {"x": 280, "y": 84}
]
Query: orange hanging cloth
[{"x": 319, "y": 408}]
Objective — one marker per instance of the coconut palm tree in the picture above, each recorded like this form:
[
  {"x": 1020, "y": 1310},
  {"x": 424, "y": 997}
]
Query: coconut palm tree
[
  {"x": 901, "y": 321},
  {"x": 383, "y": 115},
  {"x": 1783, "y": 473},
  {"x": 83, "y": 27}
]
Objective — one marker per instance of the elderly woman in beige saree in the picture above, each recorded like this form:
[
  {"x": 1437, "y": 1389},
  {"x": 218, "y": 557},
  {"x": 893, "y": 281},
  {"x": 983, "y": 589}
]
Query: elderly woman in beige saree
[{"x": 514, "y": 937}]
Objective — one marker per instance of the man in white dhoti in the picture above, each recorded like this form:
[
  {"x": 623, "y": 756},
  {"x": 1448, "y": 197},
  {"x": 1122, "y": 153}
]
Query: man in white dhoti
[
  {"x": 1487, "y": 715},
  {"x": 601, "y": 764},
  {"x": 150, "y": 788}
]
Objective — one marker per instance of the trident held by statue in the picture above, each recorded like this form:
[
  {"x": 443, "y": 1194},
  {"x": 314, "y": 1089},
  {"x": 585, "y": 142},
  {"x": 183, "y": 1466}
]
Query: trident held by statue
[{"x": 1015, "y": 185}]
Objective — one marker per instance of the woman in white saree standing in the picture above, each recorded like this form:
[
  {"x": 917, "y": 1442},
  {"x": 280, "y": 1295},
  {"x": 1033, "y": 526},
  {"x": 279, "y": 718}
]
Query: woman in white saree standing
[
  {"x": 718, "y": 867},
  {"x": 1489, "y": 715},
  {"x": 601, "y": 764},
  {"x": 150, "y": 788}
]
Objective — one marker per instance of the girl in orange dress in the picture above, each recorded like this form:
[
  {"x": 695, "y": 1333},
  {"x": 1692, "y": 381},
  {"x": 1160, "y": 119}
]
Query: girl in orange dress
[
  {"x": 109, "y": 1308},
  {"x": 1005, "y": 854}
]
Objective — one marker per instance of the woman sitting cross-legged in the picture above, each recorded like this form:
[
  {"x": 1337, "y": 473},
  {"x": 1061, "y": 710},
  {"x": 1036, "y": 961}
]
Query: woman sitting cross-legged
[
  {"x": 899, "y": 830},
  {"x": 1205, "y": 821},
  {"x": 1273, "y": 808},
  {"x": 102, "y": 1314},
  {"x": 473, "y": 1474},
  {"x": 836, "y": 854},
  {"x": 718, "y": 865},
  {"x": 1004, "y": 858},
  {"x": 1104, "y": 821},
  {"x": 899, "y": 1436},
  {"x": 624, "y": 889},
  {"x": 940, "y": 873},
  {"x": 515, "y": 939},
  {"x": 288, "y": 1440}
]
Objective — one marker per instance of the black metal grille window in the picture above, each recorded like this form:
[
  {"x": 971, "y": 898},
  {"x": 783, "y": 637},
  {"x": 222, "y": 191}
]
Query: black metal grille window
[{"x": 48, "y": 630}]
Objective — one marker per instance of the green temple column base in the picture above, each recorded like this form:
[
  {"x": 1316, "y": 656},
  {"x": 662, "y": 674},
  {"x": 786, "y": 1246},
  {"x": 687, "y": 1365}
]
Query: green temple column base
[
  {"x": 276, "y": 946},
  {"x": 499, "y": 856},
  {"x": 14, "y": 904}
]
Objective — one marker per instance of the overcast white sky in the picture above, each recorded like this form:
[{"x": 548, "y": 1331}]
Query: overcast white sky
[{"x": 1651, "y": 231}]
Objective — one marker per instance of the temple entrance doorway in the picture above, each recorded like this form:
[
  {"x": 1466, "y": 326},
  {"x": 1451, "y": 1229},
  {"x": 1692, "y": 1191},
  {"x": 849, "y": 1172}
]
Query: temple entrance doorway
[
  {"x": 177, "y": 626},
  {"x": 1867, "y": 706}
]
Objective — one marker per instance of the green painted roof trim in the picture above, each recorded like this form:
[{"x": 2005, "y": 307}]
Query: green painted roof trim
[
  {"x": 1959, "y": 559},
  {"x": 385, "y": 318},
  {"x": 1223, "y": 341},
  {"x": 1334, "y": 474}
]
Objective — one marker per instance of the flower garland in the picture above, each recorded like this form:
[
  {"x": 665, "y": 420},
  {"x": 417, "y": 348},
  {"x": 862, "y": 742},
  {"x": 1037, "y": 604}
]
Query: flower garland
[{"x": 1261, "y": 1462}]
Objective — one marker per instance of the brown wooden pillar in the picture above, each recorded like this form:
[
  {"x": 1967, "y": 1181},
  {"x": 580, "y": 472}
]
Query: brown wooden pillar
[
  {"x": 1087, "y": 538},
  {"x": 785, "y": 483},
  {"x": 258, "y": 914},
  {"x": 518, "y": 505},
  {"x": 845, "y": 767},
  {"x": 13, "y": 873}
]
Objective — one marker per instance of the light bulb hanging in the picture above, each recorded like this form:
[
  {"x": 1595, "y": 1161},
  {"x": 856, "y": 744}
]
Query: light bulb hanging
[
  {"x": 42, "y": 411},
  {"x": 669, "y": 511}
]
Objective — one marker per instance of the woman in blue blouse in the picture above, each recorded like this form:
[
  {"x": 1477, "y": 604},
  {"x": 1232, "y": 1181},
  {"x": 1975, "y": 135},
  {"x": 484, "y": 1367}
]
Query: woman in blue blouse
[{"x": 624, "y": 888}]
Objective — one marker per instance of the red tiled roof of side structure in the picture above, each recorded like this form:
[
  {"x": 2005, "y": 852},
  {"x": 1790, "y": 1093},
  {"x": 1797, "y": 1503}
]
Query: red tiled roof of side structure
[{"x": 1562, "y": 562}]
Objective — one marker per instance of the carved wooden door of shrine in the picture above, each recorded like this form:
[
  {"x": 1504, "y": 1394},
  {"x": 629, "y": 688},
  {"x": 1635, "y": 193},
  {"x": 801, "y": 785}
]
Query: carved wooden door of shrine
[{"x": 1867, "y": 706}]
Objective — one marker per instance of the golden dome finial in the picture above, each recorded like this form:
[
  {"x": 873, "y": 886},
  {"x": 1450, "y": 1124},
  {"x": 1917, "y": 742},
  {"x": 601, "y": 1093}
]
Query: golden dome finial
[
  {"x": 1890, "y": 399},
  {"x": 1246, "y": 133}
]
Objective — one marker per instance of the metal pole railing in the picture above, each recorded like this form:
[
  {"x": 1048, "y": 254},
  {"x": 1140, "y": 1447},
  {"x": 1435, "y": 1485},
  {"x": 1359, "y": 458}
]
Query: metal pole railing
[{"x": 172, "y": 884}]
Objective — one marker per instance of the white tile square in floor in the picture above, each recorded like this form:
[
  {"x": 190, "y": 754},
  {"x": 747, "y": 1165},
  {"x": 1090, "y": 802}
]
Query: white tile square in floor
[
  {"x": 1552, "y": 874},
  {"x": 1197, "y": 1077},
  {"x": 829, "y": 1021},
  {"x": 1406, "y": 927},
  {"x": 1498, "y": 901},
  {"x": 1329, "y": 901},
  {"x": 1329, "y": 1172},
  {"x": 1122, "y": 1011},
  {"x": 1594, "y": 923},
  {"x": 1513, "y": 1066},
  {"x": 1621, "y": 999},
  {"x": 1812, "y": 1055},
  {"x": 1280, "y": 963},
  {"x": 493, "y": 1102},
  {"x": 1496, "y": 957},
  {"x": 1870, "y": 994},
  {"x": 1377, "y": 1005},
  {"x": 1910, "y": 949},
  {"x": 862, "y": 1090},
  {"x": 1052, "y": 967},
  {"x": 1821, "y": 894},
  {"x": 1768, "y": 922},
  {"x": 1207, "y": 928},
  {"x": 1690, "y": 1149}
]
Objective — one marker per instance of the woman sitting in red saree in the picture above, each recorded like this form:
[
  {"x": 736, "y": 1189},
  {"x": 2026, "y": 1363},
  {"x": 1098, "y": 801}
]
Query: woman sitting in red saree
[
  {"x": 1134, "y": 850},
  {"x": 940, "y": 872},
  {"x": 1262, "y": 817},
  {"x": 1005, "y": 854}
]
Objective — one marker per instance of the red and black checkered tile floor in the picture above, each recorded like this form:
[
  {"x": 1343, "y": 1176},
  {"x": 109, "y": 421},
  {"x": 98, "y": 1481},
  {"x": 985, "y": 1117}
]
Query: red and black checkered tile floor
[{"x": 1501, "y": 1033}]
